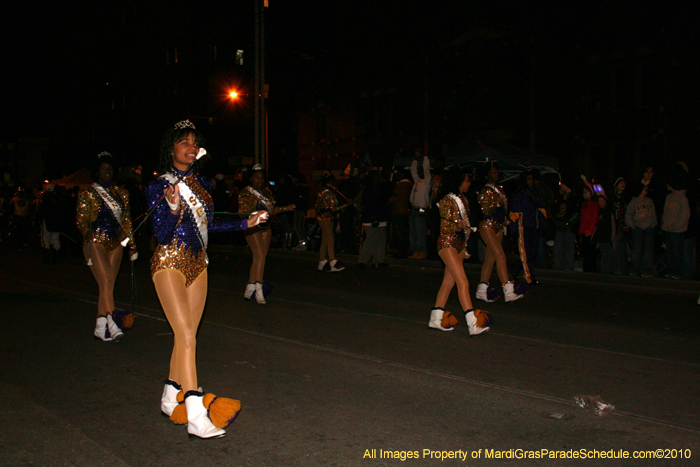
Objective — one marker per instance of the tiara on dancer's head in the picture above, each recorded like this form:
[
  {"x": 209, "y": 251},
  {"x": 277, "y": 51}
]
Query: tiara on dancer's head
[
  {"x": 257, "y": 167},
  {"x": 104, "y": 154},
  {"x": 184, "y": 124}
]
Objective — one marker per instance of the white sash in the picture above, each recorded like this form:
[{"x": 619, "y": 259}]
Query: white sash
[
  {"x": 109, "y": 201},
  {"x": 462, "y": 212},
  {"x": 500, "y": 193},
  {"x": 270, "y": 205},
  {"x": 194, "y": 205}
]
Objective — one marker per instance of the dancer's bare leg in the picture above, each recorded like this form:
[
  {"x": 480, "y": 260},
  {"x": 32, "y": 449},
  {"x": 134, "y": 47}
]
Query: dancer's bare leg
[
  {"x": 454, "y": 274},
  {"x": 183, "y": 307},
  {"x": 327, "y": 240},
  {"x": 494, "y": 254},
  {"x": 259, "y": 243},
  {"x": 105, "y": 268}
]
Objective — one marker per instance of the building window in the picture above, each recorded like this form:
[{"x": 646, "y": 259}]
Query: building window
[{"x": 239, "y": 57}]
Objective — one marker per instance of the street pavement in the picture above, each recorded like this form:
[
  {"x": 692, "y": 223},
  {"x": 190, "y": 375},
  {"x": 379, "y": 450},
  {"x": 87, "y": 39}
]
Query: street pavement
[{"x": 340, "y": 369}]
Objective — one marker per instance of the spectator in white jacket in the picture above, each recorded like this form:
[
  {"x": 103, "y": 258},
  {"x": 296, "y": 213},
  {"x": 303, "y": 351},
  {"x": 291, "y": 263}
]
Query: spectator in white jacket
[{"x": 641, "y": 218}]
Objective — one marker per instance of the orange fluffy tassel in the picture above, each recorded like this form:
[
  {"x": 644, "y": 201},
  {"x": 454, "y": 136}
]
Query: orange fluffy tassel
[
  {"x": 128, "y": 321},
  {"x": 222, "y": 410},
  {"x": 448, "y": 320},
  {"x": 483, "y": 318},
  {"x": 179, "y": 415}
]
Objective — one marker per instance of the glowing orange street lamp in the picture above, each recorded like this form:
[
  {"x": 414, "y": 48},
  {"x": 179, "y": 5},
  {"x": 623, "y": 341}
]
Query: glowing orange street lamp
[{"x": 233, "y": 94}]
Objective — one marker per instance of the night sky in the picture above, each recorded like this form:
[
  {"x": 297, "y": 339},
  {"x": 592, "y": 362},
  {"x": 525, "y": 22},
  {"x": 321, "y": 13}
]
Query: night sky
[{"x": 59, "y": 58}]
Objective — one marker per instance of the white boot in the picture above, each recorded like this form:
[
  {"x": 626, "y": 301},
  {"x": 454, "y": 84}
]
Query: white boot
[
  {"x": 436, "y": 320},
  {"x": 336, "y": 266},
  {"x": 478, "y": 321},
  {"x": 509, "y": 293},
  {"x": 101, "y": 329},
  {"x": 322, "y": 265},
  {"x": 482, "y": 293},
  {"x": 198, "y": 422},
  {"x": 114, "y": 330},
  {"x": 259, "y": 297},
  {"x": 249, "y": 291},
  {"x": 169, "y": 400}
]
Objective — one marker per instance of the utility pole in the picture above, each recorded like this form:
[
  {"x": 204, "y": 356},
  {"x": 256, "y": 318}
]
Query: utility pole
[{"x": 260, "y": 89}]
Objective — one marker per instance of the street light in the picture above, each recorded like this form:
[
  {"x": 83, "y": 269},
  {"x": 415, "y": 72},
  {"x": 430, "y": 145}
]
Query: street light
[{"x": 233, "y": 95}]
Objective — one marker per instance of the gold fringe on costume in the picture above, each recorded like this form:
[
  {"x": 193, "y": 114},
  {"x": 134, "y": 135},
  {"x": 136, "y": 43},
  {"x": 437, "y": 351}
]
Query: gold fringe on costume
[{"x": 180, "y": 258}]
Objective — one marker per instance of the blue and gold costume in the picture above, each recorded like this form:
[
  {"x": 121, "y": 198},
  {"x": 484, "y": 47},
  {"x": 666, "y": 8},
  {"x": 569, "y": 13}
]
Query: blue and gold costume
[
  {"x": 450, "y": 233},
  {"x": 180, "y": 244},
  {"x": 249, "y": 202},
  {"x": 98, "y": 222}
]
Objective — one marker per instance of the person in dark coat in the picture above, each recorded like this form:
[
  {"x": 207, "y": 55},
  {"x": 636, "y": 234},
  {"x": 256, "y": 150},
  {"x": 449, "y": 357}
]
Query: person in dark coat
[{"x": 529, "y": 221}]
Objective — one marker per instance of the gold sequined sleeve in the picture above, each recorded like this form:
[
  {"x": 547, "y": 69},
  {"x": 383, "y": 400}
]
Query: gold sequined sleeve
[
  {"x": 87, "y": 209},
  {"x": 246, "y": 202},
  {"x": 488, "y": 200},
  {"x": 126, "y": 214},
  {"x": 449, "y": 216}
]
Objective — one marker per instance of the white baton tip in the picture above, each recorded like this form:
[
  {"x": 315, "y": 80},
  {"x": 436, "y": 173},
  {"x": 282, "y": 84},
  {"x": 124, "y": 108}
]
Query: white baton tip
[
  {"x": 201, "y": 153},
  {"x": 125, "y": 241}
]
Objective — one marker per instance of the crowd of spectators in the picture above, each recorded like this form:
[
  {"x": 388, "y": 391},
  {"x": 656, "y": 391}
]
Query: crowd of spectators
[{"x": 640, "y": 226}]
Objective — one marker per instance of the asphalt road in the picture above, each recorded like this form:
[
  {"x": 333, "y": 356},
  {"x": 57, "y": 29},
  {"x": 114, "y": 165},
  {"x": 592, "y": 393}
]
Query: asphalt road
[{"x": 340, "y": 367}]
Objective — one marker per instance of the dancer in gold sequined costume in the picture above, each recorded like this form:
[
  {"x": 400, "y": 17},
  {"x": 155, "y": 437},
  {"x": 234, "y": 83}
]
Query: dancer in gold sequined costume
[
  {"x": 326, "y": 206},
  {"x": 452, "y": 248},
  {"x": 494, "y": 206},
  {"x": 104, "y": 218},
  {"x": 257, "y": 197},
  {"x": 181, "y": 226}
]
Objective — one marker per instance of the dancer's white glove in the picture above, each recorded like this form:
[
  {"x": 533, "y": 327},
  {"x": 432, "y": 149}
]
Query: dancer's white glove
[{"x": 258, "y": 217}]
